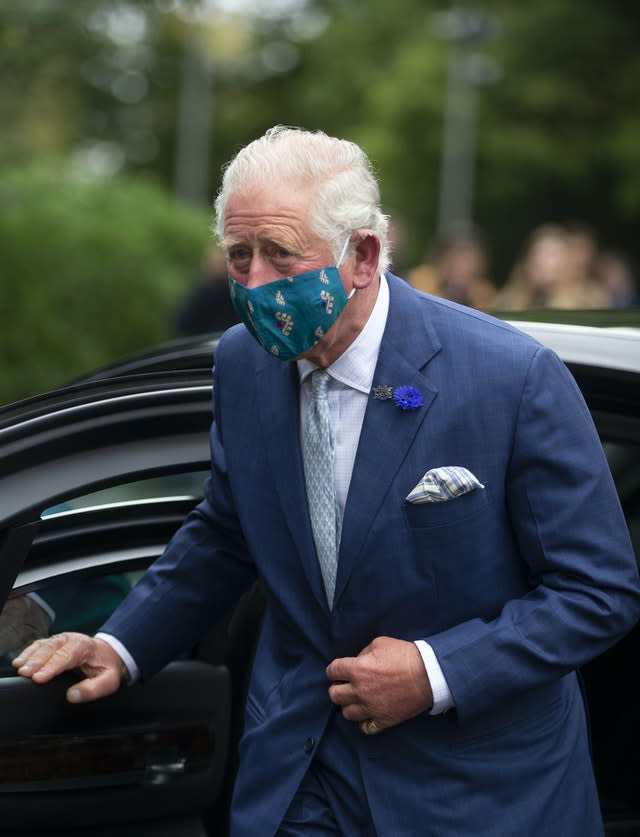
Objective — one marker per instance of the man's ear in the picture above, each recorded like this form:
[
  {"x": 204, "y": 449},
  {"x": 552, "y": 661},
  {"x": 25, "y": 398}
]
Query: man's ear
[{"x": 366, "y": 259}]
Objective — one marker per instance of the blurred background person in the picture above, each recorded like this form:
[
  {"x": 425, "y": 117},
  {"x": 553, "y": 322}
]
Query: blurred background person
[
  {"x": 583, "y": 250},
  {"x": 617, "y": 277},
  {"x": 208, "y": 307},
  {"x": 551, "y": 273},
  {"x": 459, "y": 271}
]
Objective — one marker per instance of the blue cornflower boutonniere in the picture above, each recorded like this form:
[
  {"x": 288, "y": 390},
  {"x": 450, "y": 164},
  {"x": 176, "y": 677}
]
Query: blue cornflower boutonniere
[{"x": 405, "y": 398}]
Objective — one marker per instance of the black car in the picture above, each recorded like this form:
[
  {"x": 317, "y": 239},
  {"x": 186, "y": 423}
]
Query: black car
[{"x": 94, "y": 479}]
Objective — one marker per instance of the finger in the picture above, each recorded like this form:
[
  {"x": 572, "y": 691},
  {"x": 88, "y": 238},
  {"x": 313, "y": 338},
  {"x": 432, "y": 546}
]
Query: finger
[
  {"x": 36, "y": 654},
  {"x": 46, "y": 658},
  {"x": 356, "y": 712},
  {"x": 340, "y": 670},
  {"x": 92, "y": 688},
  {"x": 342, "y": 694},
  {"x": 24, "y": 655}
]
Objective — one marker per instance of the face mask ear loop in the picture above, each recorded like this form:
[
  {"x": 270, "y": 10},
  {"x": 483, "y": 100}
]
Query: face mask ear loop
[
  {"x": 339, "y": 262},
  {"x": 344, "y": 251}
]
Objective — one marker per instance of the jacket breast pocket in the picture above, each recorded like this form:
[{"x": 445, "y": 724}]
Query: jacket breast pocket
[{"x": 448, "y": 513}]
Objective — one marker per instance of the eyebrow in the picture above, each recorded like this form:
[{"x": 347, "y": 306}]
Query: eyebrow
[{"x": 228, "y": 243}]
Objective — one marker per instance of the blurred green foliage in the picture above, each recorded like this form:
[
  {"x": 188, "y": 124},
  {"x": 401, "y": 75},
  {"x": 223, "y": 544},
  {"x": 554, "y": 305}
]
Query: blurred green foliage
[
  {"x": 91, "y": 270},
  {"x": 558, "y": 130}
]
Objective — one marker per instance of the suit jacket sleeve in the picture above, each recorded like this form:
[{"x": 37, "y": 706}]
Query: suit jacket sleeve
[
  {"x": 200, "y": 575},
  {"x": 572, "y": 535}
]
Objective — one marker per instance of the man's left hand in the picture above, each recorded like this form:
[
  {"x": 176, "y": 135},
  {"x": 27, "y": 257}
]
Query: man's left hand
[{"x": 386, "y": 683}]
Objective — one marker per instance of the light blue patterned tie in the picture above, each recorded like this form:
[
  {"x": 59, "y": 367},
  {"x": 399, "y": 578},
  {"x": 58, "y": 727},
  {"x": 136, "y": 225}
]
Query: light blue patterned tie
[{"x": 317, "y": 451}]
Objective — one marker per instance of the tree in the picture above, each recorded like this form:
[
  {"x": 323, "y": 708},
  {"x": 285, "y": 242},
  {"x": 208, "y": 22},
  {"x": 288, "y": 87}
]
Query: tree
[{"x": 92, "y": 269}]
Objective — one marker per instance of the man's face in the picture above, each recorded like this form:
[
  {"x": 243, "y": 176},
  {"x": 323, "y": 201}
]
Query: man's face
[{"x": 267, "y": 236}]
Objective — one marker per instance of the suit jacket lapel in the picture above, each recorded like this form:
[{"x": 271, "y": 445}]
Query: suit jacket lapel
[
  {"x": 278, "y": 387},
  {"x": 387, "y": 434},
  {"x": 387, "y": 431}
]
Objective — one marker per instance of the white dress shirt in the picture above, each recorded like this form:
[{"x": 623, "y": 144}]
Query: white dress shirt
[{"x": 351, "y": 377}]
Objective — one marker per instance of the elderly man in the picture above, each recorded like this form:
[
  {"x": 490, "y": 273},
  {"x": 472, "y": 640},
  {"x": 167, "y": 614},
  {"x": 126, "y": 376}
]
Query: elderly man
[{"x": 424, "y": 496}]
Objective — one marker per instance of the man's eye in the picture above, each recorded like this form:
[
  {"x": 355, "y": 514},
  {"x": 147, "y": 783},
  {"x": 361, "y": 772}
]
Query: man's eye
[
  {"x": 281, "y": 259},
  {"x": 239, "y": 254},
  {"x": 275, "y": 251}
]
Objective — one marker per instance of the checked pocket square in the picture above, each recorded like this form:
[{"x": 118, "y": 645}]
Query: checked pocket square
[{"x": 442, "y": 484}]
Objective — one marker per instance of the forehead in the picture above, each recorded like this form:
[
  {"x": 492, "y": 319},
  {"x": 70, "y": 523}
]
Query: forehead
[{"x": 277, "y": 214}]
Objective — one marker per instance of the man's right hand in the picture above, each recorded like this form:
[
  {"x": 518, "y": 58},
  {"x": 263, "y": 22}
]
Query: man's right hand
[{"x": 96, "y": 659}]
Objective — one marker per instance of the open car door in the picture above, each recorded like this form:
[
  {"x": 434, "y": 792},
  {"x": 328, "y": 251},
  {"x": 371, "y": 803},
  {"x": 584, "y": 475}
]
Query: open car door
[{"x": 151, "y": 759}]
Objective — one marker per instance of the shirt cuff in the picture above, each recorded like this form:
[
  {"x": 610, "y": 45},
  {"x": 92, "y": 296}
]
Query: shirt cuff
[
  {"x": 442, "y": 697},
  {"x": 133, "y": 672}
]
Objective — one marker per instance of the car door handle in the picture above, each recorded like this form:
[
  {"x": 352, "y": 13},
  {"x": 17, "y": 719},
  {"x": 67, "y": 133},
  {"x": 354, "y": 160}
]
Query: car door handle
[
  {"x": 163, "y": 772},
  {"x": 151, "y": 754}
]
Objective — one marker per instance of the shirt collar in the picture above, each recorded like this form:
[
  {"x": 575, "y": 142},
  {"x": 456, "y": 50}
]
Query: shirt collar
[{"x": 357, "y": 364}]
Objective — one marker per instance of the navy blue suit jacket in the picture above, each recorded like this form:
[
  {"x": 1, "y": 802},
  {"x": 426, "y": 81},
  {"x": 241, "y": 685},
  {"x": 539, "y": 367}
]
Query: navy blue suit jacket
[{"x": 514, "y": 586}]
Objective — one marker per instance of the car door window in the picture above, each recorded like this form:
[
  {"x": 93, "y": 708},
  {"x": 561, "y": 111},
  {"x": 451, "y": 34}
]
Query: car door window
[
  {"x": 78, "y": 601},
  {"x": 189, "y": 484}
]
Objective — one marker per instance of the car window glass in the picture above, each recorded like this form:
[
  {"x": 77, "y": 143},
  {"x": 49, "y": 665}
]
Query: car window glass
[
  {"x": 169, "y": 485},
  {"x": 84, "y": 603}
]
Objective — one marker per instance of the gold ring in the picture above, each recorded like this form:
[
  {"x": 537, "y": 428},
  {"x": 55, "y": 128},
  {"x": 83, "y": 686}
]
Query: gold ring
[{"x": 370, "y": 727}]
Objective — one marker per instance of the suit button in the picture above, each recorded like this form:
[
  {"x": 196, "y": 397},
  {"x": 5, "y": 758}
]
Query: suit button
[{"x": 309, "y": 744}]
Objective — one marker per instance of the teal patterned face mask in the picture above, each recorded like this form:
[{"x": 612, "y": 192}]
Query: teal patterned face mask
[{"x": 288, "y": 316}]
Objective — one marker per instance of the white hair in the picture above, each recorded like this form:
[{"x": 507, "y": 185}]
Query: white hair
[{"x": 345, "y": 193}]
